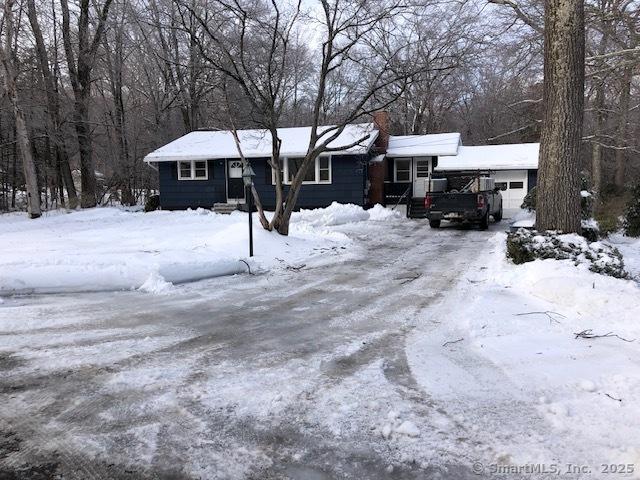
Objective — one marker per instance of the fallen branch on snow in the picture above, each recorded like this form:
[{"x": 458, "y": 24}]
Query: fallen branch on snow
[
  {"x": 451, "y": 342},
  {"x": 296, "y": 268},
  {"x": 613, "y": 398},
  {"x": 548, "y": 313},
  {"x": 589, "y": 335}
]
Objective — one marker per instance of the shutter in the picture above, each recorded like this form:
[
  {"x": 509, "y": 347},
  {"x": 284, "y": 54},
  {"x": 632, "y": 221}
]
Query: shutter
[{"x": 268, "y": 175}]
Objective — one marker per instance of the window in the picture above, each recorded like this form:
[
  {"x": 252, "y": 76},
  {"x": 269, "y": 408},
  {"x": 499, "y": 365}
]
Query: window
[
  {"x": 422, "y": 168},
  {"x": 294, "y": 165},
  {"x": 194, "y": 170},
  {"x": 501, "y": 185},
  {"x": 516, "y": 185},
  {"x": 324, "y": 169},
  {"x": 402, "y": 172},
  {"x": 319, "y": 172}
]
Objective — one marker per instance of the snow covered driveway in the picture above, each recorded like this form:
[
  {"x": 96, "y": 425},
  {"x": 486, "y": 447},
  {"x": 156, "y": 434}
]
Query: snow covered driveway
[
  {"x": 345, "y": 365},
  {"x": 291, "y": 373}
]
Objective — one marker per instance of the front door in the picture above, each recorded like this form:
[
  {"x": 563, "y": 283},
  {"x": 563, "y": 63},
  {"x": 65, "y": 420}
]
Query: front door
[
  {"x": 235, "y": 185},
  {"x": 420, "y": 177}
]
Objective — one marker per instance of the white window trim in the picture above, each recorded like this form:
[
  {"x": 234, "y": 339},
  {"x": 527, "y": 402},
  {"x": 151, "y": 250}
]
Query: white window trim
[
  {"x": 317, "y": 181},
  {"x": 395, "y": 170},
  {"x": 193, "y": 170}
]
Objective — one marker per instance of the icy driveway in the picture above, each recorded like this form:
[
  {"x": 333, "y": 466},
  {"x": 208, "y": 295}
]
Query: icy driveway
[{"x": 299, "y": 373}]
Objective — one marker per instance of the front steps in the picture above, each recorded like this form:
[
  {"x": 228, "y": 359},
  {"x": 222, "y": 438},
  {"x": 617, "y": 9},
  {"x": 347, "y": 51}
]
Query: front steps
[
  {"x": 225, "y": 208},
  {"x": 415, "y": 208}
]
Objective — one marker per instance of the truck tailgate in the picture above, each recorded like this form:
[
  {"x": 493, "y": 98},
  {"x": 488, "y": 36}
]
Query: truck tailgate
[{"x": 453, "y": 202}]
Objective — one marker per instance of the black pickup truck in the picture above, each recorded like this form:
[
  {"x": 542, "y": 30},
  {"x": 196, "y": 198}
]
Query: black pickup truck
[{"x": 471, "y": 204}]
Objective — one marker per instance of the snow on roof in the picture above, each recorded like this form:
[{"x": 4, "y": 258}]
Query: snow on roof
[
  {"x": 518, "y": 156},
  {"x": 423, "y": 145},
  {"x": 205, "y": 145}
]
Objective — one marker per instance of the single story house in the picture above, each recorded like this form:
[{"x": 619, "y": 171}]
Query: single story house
[
  {"x": 365, "y": 166},
  {"x": 203, "y": 168}
]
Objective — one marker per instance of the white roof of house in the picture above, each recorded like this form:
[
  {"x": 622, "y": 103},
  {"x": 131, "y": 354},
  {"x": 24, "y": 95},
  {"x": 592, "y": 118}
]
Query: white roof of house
[
  {"x": 205, "y": 145},
  {"x": 518, "y": 156},
  {"x": 423, "y": 145}
]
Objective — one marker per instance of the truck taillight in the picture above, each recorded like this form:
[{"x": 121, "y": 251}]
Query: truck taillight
[
  {"x": 428, "y": 200},
  {"x": 480, "y": 201}
]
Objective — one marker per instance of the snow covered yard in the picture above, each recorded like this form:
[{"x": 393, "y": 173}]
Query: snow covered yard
[
  {"x": 114, "y": 249},
  {"x": 513, "y": 343},
  {"x": 411, "y": 353}
]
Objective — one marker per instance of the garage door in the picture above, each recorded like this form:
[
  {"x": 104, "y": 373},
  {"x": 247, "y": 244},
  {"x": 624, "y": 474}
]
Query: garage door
[{"x": 513, "y": 184}]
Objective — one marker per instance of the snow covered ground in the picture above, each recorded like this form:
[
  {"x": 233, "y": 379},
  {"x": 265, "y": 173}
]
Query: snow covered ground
[
  {"x": 410, "y": 353},
  {"x": 508, "y": 343},
  {"x": 114, "y": 249}
]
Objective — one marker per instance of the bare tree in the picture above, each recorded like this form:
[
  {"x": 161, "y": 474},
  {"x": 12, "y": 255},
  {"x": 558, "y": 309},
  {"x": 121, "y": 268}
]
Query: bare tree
[
  {"x": 22, "y": 133},
  {"x": 53, "y": 106},
  {"x": 563, "y": 98},
  {"x": 80, "y": 66},
  {"x": 362, "y": 44},
  {"x": 251, "y": 44}
]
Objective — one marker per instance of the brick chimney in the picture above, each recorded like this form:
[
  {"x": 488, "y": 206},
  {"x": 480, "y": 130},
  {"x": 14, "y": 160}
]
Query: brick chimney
[
  {"x": 378, "y": 169},
  {"x": 381, "y": 122}
]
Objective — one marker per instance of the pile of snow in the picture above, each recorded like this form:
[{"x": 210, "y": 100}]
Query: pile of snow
[
  {"x": 527, "y": 245},
  {"x": 105, "y": 249},
  {"x": 156, "y": 284},
  {"x": 523, "y": 219},
  {"x": 341, "y": 214},
  {"x": 334, "y": 214},
  {"x": 517, "y": 357}
]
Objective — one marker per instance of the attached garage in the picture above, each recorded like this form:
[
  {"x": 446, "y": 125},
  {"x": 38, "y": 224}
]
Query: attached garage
[{"x": 514, "y": 167}]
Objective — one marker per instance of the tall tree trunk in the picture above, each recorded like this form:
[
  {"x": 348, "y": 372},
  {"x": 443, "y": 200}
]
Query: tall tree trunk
[
  {"x": 625, "y": 99},
  {"x": 596, "y": 154},
  {"x": 563, "y": 102},
  {"x": 53, "y": 110},
  {"x": 22, "y": 135},
  {"x": 80, "y": 77}
]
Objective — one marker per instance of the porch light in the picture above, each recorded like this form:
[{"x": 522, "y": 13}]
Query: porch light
[
  {"x": 247, "y": 178},
  {"x": 247, "y": 175}
]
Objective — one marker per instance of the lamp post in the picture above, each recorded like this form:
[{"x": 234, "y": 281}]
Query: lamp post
[{"x": 247, "y": 178}]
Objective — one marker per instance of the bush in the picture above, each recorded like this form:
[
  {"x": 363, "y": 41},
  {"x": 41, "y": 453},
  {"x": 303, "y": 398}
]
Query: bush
[
  {"x": 632, "y": 213},
  {"x": 152, "y": 203},
  {"x": 529, "y": 202},
  {"x": 528, "y": 245},
  {"x": 608, "y": 224}
]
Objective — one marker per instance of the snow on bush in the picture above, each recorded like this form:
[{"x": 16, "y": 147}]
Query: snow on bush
[{"x": 527, "y": 245}]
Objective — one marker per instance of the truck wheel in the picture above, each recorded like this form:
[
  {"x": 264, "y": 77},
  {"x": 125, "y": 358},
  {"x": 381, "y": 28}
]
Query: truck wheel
[
  {"x": 434, "y": 223},
  {"x": 498, "y": 216},
  {"x": 484, "y": 223}
]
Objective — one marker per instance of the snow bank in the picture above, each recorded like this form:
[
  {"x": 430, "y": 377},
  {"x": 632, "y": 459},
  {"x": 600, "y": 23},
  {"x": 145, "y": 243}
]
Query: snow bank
[
  {"x": 523, "y": 219},
  {"x": 340, "y": 214},
  {"x": 105, "y": 249},
  {"x": 524, "y": 320},
  {"x": 334, "y": 214},
  {"x": 113, "y": 249}
]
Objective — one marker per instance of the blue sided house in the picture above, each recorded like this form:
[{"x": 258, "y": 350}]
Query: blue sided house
[
  {"x": 365, "y": 165},
  {"x": 203, "y": 168}
]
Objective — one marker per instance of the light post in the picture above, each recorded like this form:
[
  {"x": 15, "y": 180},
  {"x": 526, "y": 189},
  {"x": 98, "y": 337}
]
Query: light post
[{"x": 247, "y": 178}]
